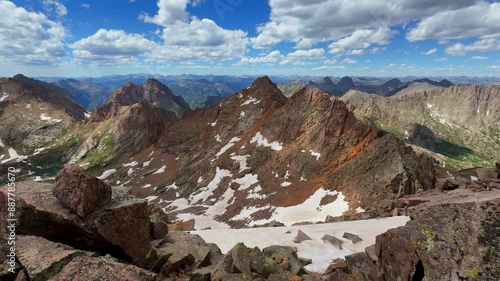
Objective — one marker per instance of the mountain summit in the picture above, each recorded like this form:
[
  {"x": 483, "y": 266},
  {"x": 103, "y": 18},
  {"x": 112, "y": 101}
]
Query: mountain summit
[{"x": 153, "y": 92}]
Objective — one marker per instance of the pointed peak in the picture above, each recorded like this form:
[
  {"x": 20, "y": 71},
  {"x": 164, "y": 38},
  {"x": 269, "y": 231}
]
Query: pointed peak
[
  {"x": 153, "y": 81},
  {"x": 263, "y": 81},
  {"x": 328, "y": 80}
]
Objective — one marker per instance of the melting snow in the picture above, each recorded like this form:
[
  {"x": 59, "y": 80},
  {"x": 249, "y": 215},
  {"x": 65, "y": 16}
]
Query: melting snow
[
  {"x": 14, "y": 156},
  {"x": 261, "y": 140},
  {"x": 217, "y": 138},
  {"x": 106, "y": 174},
  {"x": 310, "y": 210},
  {"x": 213, "y": 124},
  {"x": 145, "y": 164},
  {"x": 286, "y": 183},
  {"x": 151, "y": 198},
  {"x": 38, "y": 178},
  {"x": 131, "y": 164},
  {"x": 200, "y": 179},
  {"x": 242, "y": 114},
  {"x": 227, "y": 146},
  {"x": 246, "y": 181},
  {"x": 1, "y": 143},
  {"x": 360, "y": 210},
  {"x": 87, "y": 115},
  {"x": 161, "y": 170},
  {"x": 207, "y": 191},
  {"x": 147, "y": 186},
  {"x": 5, "y": 95},
  {"x": 242, "y": 159},
  {"x": 38, "y": 151},
  {"x": 28, "y": 106},
  {"x": 251, "y": 100},
  {"x": 254, "y": 193},
  {"x": 315, "y": 154},
  {"x": 321, "y": 252},
  {"x": 48, "y": 118}
]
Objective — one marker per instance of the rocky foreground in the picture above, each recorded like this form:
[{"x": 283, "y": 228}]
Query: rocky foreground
[{"x": 82, "y": 229}]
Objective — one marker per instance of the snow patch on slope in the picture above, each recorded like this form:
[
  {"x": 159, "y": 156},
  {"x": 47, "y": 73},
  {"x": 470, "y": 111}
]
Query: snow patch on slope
[
  {"x": 251, "y": 100},
  {"x": 227, "y": 146},
  {"x": 44, "y": 117},
  {"x": 310, "y": 210},
  {"x": 321, "y": 252},
  {"x": 262, "y": 141},
  {"x": 106, "y": 174}
]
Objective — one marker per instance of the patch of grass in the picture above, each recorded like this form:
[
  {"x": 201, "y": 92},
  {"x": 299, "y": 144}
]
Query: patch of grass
[{"x": 472, "y": 273}]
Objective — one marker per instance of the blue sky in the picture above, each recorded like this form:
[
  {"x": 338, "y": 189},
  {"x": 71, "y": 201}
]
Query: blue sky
[{"x": 302, "y": 37}]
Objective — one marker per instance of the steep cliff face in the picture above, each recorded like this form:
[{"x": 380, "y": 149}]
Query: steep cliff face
[{"x": 462, "y": 123}]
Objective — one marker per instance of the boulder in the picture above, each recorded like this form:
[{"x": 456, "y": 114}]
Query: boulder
[
  {"x": 360, "y": 262},
  {"x": 395, "y": 250},
  {"x": 485, "y": 174},
  {"x": 121, "y": 228},
  {"x": 337, "y": 264},
  {"x": 333, "y": 240},
  {"x": 286, "y": 258},
  {"x": 243, "y": 263},
  {"x": 301, "y": 236},
  {"x": 371, "y": 252},
  {"x": 158, "y": 227},
  {"x": 353, "y": 237},
  {"x": 80, "y": 191},
  {"x": 42, "y": 258},
  {"x": 184, "y": 257},
  {"x": 451, "y": 184},
  {"x": 85, "y": 268}
]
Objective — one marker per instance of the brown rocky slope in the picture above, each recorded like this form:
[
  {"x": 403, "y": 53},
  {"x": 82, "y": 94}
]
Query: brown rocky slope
[{"x": 257, "y": 148}]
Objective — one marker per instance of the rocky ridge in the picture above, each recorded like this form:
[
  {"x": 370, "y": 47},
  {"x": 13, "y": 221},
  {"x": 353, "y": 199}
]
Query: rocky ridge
[
  {"x": 460, "y": 123},
  {"x": 256, "y": 145}
]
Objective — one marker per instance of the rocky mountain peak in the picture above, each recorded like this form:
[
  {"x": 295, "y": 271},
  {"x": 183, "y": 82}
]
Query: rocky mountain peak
[
  {"x": 263, "y": 81},
  {"x": 265, "y": 89},
  {"x": 345, "y": 83},
  {"x": 445, "y": 83},
  {"x": 328, "y": 80},
  {"x": 153, "y": 92}
]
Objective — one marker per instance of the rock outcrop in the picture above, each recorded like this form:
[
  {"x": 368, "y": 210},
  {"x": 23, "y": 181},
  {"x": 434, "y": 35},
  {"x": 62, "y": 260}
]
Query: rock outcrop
[
  {"x": 120, "y": 228},
  {"x": 45, "y": 260},
  {"x": 461, "y": 230},
  {"x": 80, "y": 191}
]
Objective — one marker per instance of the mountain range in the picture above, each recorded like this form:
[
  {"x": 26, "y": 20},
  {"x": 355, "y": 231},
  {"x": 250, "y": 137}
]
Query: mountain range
[{"x": 234, "y": 160}]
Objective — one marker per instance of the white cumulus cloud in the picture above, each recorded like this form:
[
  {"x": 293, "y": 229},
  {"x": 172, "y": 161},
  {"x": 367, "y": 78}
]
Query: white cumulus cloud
[
  {"x": 482, "y": 19},
  {"x": 29, "y": 37},
  {"x": 188, "y": 37},
  {"x": 308, "y": 22},
  {"x": 111, "y": 47}
]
